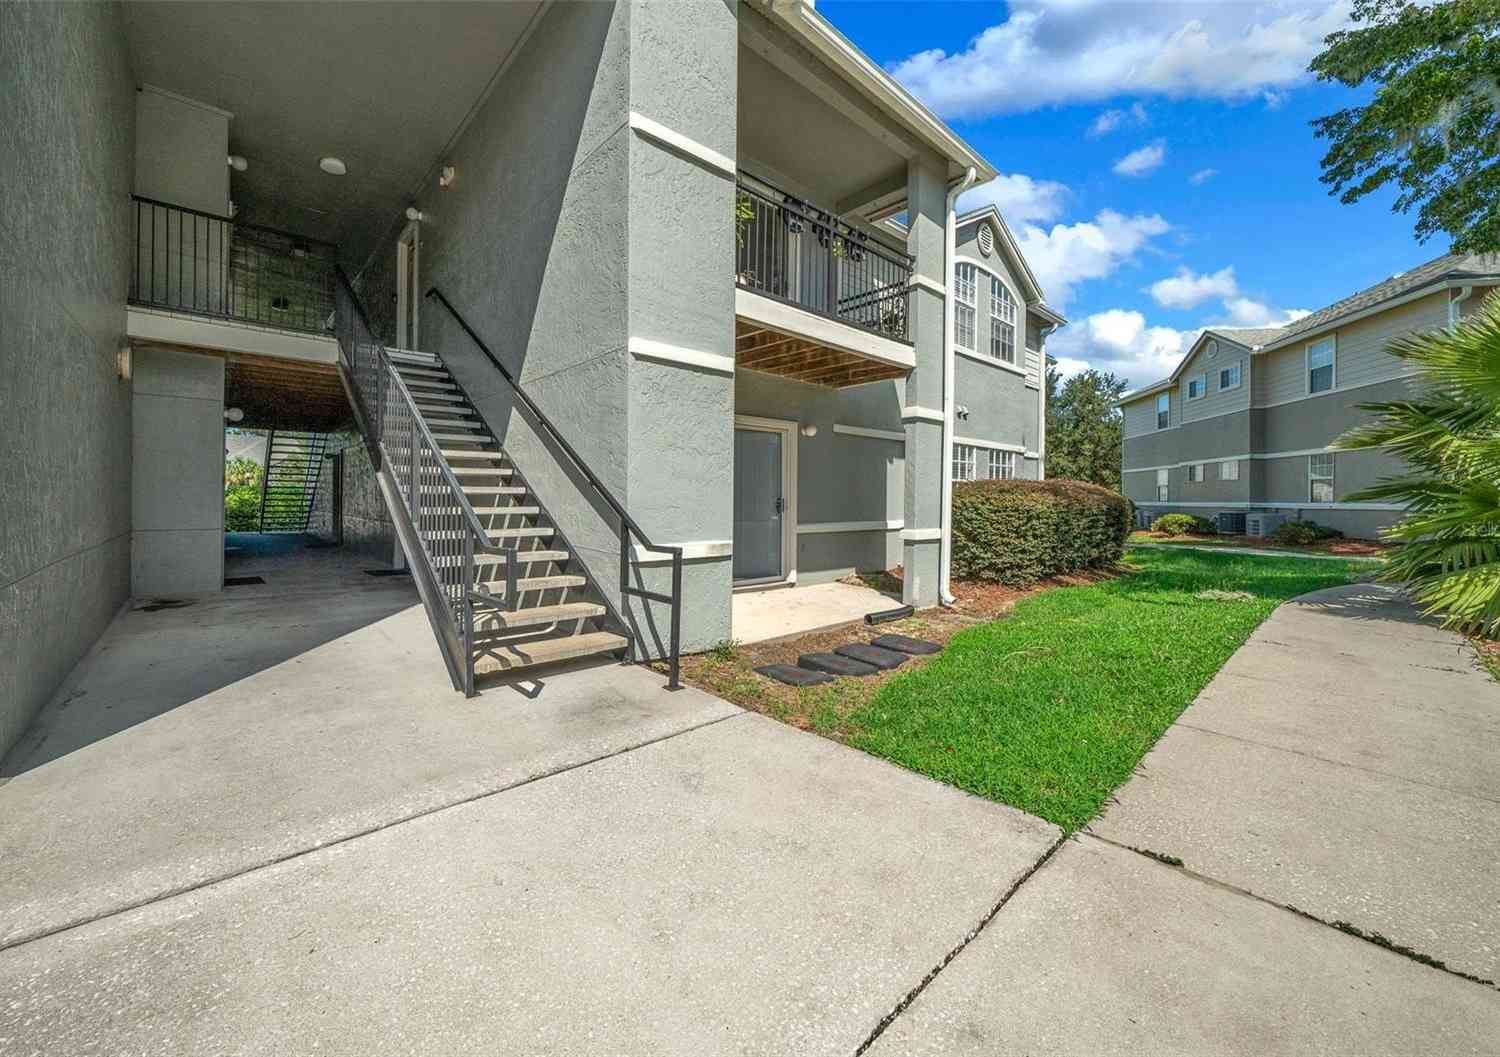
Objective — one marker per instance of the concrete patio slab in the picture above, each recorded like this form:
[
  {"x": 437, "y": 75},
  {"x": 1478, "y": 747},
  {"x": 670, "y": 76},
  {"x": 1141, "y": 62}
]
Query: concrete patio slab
[
  {"x": 742, "y": 887},
  {"x": 1342, "y": 762},
  {"x": 1106, "y": 952},
  {"x": 778, "y": 612},
  {"x": 206, "y": 740}
]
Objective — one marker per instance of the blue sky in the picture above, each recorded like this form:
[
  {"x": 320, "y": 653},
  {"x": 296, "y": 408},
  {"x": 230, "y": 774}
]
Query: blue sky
[{"x": 1213, "y": 102}]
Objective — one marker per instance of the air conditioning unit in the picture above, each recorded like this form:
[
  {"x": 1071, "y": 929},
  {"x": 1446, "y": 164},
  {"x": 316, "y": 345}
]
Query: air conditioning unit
[
  {"x": 1230, "y": 524},
  {"x": 1263, "y": 524},
  {"x": 1143, "y": 518}
]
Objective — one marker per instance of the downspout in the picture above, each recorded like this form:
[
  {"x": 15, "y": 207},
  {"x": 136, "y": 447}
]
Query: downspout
[
  {"x": 1041, "y": 405},
  {"x": 1455, "y": 304},
  {"x": 945, "y": 517}
]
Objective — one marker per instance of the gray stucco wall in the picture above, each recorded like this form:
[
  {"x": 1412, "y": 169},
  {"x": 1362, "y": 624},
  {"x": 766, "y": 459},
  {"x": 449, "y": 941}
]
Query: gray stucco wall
[
  {"x": 1000, "y": 406},
  {"x": 567, "y": 234},
  {"x": 1212, "y": 438},
  {"x": 842, "y": 477},
  {"x": 366, "y": 522},
  {"x": 177, "y": 479},
  {"x": 66, "y": 147},
  {"x": 1317, "y": 422}
]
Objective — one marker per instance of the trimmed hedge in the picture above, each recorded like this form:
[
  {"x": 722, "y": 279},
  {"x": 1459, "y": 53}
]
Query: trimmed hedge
[
  {"x": 1019, "y": 532},
  {"x": 1301, "y": 533},
  {"x": 1183, "y": 525}
]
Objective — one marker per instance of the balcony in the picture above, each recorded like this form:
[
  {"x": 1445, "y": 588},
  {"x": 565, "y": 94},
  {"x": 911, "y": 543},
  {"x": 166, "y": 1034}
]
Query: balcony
[
  {"x": 817, "y": 299},
  {"x": 197, "y": 263}
]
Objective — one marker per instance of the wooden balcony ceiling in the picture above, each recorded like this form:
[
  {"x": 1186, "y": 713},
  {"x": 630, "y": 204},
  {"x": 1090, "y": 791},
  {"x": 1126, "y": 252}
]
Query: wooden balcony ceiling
[
  {"x": 284, "y": 394},
  {"x": 758, "y": 348}
]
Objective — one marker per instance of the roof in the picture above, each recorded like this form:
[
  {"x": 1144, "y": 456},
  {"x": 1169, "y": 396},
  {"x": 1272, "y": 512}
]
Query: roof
[
  {"x": 801, "y": 17},
  {"x": 1440, "y": 271},
  {"x": 1450, "y": 266}
]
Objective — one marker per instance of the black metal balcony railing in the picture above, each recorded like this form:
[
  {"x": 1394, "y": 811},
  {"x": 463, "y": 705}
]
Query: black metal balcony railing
[
  {"x": 187, "y": 260},
  {"x": 793, "y": 251}
]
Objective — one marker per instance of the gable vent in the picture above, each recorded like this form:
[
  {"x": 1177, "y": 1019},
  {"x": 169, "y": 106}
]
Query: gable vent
[{"x": 986, "y": 239}]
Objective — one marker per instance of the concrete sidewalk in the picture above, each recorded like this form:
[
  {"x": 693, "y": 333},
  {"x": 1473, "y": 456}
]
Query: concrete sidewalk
[{"x": 1342, "y": 763}]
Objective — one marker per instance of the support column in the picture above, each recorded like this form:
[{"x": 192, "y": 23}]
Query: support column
[
  {"x": 680, "y": 201},
  {"x": 922, "y": 413}
]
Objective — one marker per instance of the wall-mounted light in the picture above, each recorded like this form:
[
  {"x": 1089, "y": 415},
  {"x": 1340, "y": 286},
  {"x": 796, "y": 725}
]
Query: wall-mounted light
[
  {"x": 445, "y": 178},
  {"x": 122, "y": 362},
  {"x": 333, "y": 166},
  {"x": 234, "y": 414},
  {"x": 413, "y": 213},
  {"x": 809, "y": 430},
  {"x": 238, "y": 163}
]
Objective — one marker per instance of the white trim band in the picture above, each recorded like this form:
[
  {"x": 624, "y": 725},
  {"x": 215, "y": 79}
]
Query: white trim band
[
  {"x": 865, "y": 431},
  {"x": 921, "y": 535},
  {"x": 930, "y": 285},
  {"x": 1269, "y": 505},
  {"x": 1019, "y": 449},
  {"x": 994, "y": 361},
  {"x": 1258, "y": 455},
  {"x": 694, "y": 550},
  {"x": 921, "y": 414},
  {"x": 655, "y": 130},
  {"x": 661, "y": 352},
  {"x": 819, "y": 527}
]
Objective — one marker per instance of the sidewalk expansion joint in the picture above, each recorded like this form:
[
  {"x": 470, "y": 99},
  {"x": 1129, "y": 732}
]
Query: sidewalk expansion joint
[
  {"x": 973, "y": 934},
  {"x": 40, "y": 934},
  {"x": 1372, "y": 938}
]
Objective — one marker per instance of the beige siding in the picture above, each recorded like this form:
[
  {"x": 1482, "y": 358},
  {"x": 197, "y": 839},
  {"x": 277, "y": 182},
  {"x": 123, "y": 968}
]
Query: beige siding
[
  {"x": 1361, "y": 358},
  {"x": 1473, "y": 302},
  {"x": 1214, "y": 401}
]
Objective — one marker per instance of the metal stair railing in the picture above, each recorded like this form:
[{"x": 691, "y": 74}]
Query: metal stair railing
[
  {"x": 628, "y": 526},
  {"x": 447, "y": 531}
]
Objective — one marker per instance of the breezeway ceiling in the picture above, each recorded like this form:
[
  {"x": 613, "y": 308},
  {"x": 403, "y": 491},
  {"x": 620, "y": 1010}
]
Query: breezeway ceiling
[{"x": 383, "y": 86}]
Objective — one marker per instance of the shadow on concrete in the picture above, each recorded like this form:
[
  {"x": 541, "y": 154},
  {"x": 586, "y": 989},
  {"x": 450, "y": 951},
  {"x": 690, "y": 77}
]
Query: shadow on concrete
[{"x": 161, "y": 653}]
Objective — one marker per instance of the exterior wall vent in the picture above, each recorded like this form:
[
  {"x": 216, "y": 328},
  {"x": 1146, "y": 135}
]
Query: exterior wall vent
[{"x": 986, "y": 239}]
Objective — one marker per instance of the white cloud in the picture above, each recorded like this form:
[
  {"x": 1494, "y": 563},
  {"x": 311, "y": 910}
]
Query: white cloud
[
  {"x": 1119, "y": 341},
  {"x": 1020, "y": 199},
  {"x": 1188, "y": 289},
  {"x": 1068, "y": 254},
  {"x": 1093, "y": 50},
  {"x": 1109, "y": 120},
  {"x": 1140, "y": 162},
  {"x": 1247, "y": 312},
  {"x": 1202, "y": 176}
]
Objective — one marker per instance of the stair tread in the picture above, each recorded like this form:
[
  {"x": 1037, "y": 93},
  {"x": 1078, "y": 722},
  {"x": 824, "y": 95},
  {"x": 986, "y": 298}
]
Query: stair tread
[
  {"x": 421, "y": 372},
  {"x": 522, "y": 558},
  {"x": 531, "y": 533},
  {"x": 489, "y": 618},
  {"x": 411, "y": 356},
  {"x": 509, "y": 657},
  {"x": 424, "y": 399},
  {"x": 456, "y": 453},
  {"x": 465, "y": 438},
  {"x": 481, "y": 471}
]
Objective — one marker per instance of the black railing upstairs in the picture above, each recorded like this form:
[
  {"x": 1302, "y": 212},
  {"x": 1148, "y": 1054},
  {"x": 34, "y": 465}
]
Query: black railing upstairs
[
  {"x": 190, "y": 261},
  {"x": 793, "y": 251},
  {"x": 628, "y": 526}
]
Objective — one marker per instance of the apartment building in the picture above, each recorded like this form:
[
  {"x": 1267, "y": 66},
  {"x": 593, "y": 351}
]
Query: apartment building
[{"x": 1247, "y": 421}]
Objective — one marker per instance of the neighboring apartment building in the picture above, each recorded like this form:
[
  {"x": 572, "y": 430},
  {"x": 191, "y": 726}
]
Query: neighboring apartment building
[
  {"x": 1247, "y": 421},
  {"x": 666, "y": 222}
]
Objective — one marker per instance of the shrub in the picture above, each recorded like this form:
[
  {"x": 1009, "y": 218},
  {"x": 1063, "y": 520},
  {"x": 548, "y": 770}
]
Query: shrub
[
  {"x": 1019, "y": 532},
  {"x": 1301, "y": 533},
  {"x": 242, "y": 508},
  {"x": 1183, "y": 525}
]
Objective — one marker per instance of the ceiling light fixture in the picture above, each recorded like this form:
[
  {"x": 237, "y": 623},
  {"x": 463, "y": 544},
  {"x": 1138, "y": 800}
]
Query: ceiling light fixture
[
  {"x": 238, "y": 163},
  {"x": 332, "y": 166}
]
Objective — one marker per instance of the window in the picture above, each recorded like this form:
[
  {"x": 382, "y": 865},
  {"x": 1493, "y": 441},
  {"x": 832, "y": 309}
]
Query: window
[
  {"x": 1229, "y": 471},
  {"x": 1002, "y": 322},
  {"x": 1163, "y": 410},
  {"x": 1211, "y": 349},
  {"x": 1195, "y": 472},
  {"x": 1229, "y": 377},
  {"x": 1161, "y": 485},
  {"x": 1196, "y": 386},
  {"x": 963, "y": 462},
  {"x": 965, "y": 289},
  {"x": 1002, "y": 465},
  {"x": 1320, "y": 366},
  {"x": 1320, "y": 478}
]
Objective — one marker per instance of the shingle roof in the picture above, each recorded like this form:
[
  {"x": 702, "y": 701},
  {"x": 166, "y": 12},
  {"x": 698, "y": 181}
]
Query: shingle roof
[
  {"x": 1251, "y": 337},
  {"x": 1448, "y": 266}
]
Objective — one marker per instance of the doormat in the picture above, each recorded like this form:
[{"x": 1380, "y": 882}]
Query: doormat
[
  {"x": 243, "y": 581},
  {"x": 387, "y": 572}
]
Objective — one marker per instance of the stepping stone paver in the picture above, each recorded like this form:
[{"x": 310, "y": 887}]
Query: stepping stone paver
[
  {"x": 835, "y": 664},
  {"x": 794, "y": 676},
  {"x": 880, "y": 658},
  {"x": 905, "y": 644}
]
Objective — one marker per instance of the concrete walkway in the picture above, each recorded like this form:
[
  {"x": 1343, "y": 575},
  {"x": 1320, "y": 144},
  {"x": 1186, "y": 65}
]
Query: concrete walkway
[
  {"x": 1262, "y": 552},
  {"x": 1342, "y": 763}
]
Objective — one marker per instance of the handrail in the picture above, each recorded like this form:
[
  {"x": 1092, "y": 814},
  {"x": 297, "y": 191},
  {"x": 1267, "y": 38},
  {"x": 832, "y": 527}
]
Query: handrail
[
  {"x": 628, "y": 524},
  {"x": 231, "y": 220}
]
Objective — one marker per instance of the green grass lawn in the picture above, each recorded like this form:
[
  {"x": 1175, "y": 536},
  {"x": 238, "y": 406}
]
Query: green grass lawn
[{"x": 1051, "y": 708}]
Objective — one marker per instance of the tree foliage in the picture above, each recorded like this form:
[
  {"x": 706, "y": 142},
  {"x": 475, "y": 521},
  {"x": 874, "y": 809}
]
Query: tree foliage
[
  {"x": 1083, "y": 427},
  {"x": 240, "y": 472},
  {"x": 1433, "y": 125},
  {"x": 1449, "y": 435}
]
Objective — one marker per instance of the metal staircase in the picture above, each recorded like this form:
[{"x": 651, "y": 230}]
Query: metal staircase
[
  {"x": 290, "y": 483},
  {"x": 502, "y": 587}
]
